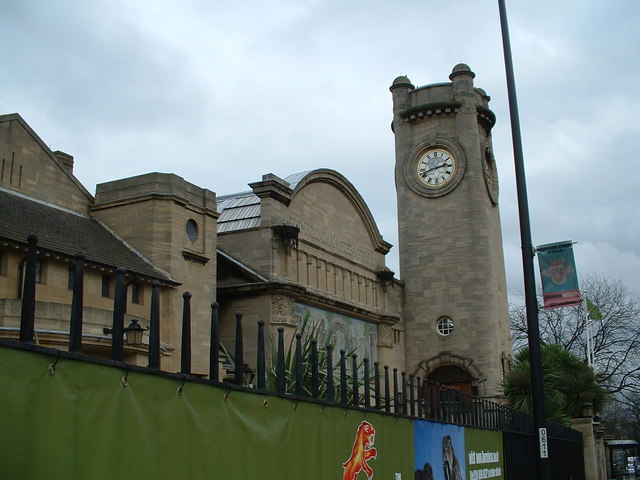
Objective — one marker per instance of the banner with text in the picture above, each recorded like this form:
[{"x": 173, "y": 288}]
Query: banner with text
[
  {"x": 484, "y": 454},
  {"x": 558, "y": 274},
  {"x": 452, "y": 452},
  {"x": 80, "y": 420}
]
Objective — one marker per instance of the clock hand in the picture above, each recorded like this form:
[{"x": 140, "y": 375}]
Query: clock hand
[{"x": 435, "y": 168}]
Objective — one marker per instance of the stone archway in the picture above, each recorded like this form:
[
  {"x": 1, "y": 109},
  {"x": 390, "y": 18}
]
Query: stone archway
[
  {"x": 454, "y": 377},
  {"x": 453, "y": 371}
]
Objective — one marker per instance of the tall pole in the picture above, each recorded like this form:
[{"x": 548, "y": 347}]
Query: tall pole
[{"x": 535, "y": 358}]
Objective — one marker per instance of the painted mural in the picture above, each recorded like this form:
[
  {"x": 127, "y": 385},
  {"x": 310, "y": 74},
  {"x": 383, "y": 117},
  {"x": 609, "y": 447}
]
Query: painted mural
[{"x": 350, "y": 334}]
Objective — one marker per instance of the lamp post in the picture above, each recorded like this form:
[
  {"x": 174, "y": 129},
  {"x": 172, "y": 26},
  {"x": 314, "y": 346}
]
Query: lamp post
[{"x": 543, "y": 467}]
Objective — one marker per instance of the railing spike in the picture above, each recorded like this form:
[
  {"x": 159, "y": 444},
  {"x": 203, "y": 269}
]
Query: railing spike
[
  {"x": 154, "y": 326},
  {"x": 75, "y": 323},
  {"x": 185, "y": 353},
  {"x": 214, "y": 345}
]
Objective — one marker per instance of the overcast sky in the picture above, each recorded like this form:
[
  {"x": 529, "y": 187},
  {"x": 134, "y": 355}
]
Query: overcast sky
[{"x": 223, "y": 92}]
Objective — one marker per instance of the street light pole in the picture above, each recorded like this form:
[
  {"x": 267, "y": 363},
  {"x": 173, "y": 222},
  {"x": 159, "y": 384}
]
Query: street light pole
[{"x": 535, "y": 358}]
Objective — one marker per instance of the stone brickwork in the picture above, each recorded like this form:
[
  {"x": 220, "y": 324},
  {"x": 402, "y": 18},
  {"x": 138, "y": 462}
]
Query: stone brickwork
[
  {"x": 450, "y": 245},
  {"x": 451, "y": 259},
  {"x": 334, "y": 264},
  {"x": 151, "y": 213},
  {"x": 29, "y": 167}
]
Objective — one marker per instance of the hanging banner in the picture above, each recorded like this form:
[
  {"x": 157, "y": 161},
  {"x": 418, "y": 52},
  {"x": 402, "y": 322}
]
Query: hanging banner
[{"x": 558, "y": 274}]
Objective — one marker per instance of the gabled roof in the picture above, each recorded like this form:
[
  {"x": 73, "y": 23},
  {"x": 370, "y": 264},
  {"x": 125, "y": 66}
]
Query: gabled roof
[
  {"x": 15, "y": 117},
  {"x": 66, "y": 232}
]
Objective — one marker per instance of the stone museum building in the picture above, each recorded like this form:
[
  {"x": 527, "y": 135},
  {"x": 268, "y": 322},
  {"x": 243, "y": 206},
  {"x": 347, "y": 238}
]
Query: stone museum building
[{"x": 290, "y": 249}]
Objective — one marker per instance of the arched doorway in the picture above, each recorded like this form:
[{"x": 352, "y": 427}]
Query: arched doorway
[{"x": 454, "y": 377}]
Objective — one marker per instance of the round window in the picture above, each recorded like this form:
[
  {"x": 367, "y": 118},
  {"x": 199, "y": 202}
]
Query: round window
[
  {"x": 192, "y": 230},
  {"x": 445, "y": 326}
]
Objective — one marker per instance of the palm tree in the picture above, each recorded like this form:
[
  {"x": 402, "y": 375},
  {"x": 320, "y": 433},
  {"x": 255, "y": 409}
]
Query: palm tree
[{"x": 568, "y": 383}]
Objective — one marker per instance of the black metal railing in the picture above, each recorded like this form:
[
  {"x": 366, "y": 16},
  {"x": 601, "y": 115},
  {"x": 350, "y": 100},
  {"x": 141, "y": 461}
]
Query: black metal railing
[
  {"x": 313, "y": 376},
  {"x": 350, "y": 382}
]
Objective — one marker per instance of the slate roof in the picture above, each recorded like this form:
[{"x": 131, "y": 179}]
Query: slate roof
[
  {"x": 240, "y": 211},
  {"x": 65, "y": 232}
]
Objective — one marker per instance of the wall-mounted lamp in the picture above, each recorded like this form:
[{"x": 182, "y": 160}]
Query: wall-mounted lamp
[
  {"x": 587, "y": 410},
  {"x": 132, "y": 334},
  {"x": 287, "y": 234}
]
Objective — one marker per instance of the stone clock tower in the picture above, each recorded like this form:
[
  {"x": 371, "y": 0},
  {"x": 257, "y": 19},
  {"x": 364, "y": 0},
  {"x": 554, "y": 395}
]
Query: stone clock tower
[{"x": 451, "y": 260}]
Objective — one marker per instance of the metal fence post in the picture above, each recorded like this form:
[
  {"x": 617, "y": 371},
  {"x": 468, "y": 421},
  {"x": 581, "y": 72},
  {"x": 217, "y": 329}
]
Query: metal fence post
[
  {"x": 75, "y": 323},
  {"x": 28, "y": 313},
  {"x": 119, "y": 306},
  {"x": 185, "y": 353},
  {"x": 154, "y": 326}
]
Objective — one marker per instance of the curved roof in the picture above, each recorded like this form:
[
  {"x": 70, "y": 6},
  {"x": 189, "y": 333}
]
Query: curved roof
[
  {"x": 242, "y": 210},
  {"x": 339, "y": 181}
]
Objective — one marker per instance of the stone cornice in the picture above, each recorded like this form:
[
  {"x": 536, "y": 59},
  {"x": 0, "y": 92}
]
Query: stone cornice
[
  {"x": 304, "y": 295},
  {"x": 146, "y": 197},
  {"x": 485, "y": 116}
]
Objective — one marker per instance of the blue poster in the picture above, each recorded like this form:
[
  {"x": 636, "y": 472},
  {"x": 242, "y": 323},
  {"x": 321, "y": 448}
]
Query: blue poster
[
  {"x": 558, "y": 274},
  {"x": 439, "y": 451}
]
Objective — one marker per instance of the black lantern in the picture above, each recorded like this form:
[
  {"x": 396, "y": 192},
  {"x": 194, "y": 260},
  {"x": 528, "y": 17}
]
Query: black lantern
[
  {"x": 587, "y": 410},
  {"x": 133, "y": 333}
]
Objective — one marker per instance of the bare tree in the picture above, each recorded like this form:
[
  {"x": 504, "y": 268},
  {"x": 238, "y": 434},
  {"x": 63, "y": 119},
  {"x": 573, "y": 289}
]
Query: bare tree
[
  {"x": 622, "y": 418},
  {"x": 615, "y": 338}
]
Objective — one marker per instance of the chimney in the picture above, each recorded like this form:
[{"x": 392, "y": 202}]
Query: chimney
[{"x": 65, "y": 159}]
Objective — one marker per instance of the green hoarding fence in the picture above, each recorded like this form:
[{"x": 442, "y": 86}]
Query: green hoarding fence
[
  {"x": 68, "y": 415},
  {"x": 82, "y": 420}
]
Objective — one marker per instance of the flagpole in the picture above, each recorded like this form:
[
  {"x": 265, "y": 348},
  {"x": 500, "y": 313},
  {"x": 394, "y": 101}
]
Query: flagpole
[
  {"x": 587, "y": 328},
  {"x": 535, "y": 358}
]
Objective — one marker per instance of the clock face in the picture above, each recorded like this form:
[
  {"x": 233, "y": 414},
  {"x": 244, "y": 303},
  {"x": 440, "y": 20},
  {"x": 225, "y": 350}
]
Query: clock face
[
  {"x": 436, "y": 168},
  {"x": 490, "y": 175}
]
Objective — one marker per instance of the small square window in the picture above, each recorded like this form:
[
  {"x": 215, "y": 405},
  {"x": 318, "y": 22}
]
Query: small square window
[
  {"x": 136, "y": 293},
  {"x": 3, "y": 267},
  {"x": 23, "y": 275},
  {"x": 106, "y": 286},
  {"x": 39, "y": 267},
  {"x": 396, "y": 335}
]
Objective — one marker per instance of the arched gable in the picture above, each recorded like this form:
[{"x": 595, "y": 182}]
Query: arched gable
[{"x": 302, "y": 183}]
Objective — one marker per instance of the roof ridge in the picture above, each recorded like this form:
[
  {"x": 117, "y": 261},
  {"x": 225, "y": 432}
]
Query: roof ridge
[{"x": 246, "y": 193}]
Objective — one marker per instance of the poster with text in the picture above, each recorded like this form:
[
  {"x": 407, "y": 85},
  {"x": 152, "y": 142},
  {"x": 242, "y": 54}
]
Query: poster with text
[
  {"x": 484, "y": 454},
  {"x": 439, "y": 451}
]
